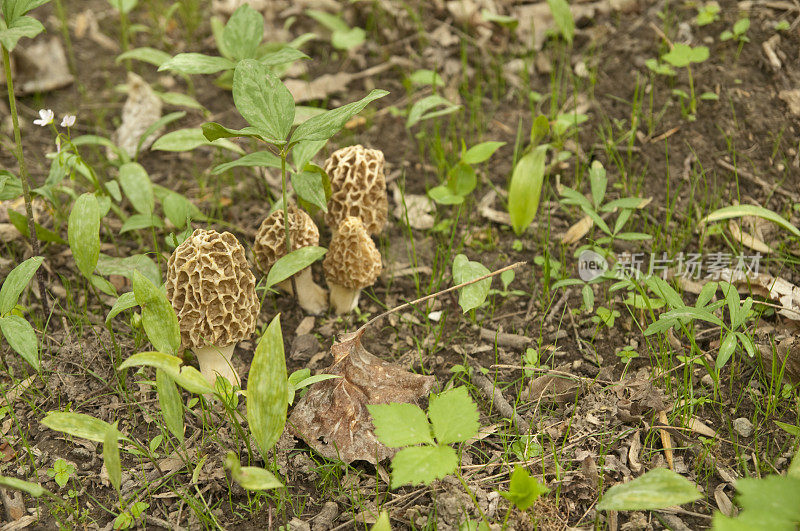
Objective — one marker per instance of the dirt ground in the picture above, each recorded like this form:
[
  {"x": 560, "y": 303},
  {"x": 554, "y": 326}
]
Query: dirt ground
[{"x": 595, "y": 429}]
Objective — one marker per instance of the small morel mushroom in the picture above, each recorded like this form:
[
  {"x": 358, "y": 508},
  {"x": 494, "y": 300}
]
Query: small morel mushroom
[
  {"x": 213, "y": 292},
  {"x": 352, "y": 264},
  {"x": 358, "y": 188},
  {"x": 270, "y": 245}
]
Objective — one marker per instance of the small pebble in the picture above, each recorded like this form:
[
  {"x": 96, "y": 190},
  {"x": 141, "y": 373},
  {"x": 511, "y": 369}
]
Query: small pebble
[
  {"x": 707, "y": 380},
  {"x": 743, "y": 427}
]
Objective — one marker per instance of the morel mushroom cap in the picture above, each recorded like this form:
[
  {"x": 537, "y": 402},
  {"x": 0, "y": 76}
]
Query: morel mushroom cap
[
  {"x": 358, "y": 187},
  {"x": 352, "y": 264},
  {"x": 270, "y": 245},
  {"x": 213, "y": 292}
]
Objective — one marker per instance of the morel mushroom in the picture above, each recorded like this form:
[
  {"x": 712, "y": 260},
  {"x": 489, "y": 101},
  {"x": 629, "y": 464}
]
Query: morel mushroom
[
  {"x": 358, "y": 188},
  {"x": 213, "y": 291},
  {"x": 352, "y": 264},
  {"x": 270, "y": 245}
]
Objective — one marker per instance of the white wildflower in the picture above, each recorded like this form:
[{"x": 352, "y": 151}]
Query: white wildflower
[
  {"x": 68, "y": 120},
  {"x": 45, "y": 117}
]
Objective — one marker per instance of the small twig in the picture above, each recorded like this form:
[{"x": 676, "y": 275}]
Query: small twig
[{"x": 494, "y": 394}]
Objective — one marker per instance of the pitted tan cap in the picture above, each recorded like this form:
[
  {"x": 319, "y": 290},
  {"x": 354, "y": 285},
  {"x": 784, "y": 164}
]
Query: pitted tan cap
[
  {"x": 270, "y": 242},
  {"x": 358, "y": 187},
  {"x": 352, "y": 261}
]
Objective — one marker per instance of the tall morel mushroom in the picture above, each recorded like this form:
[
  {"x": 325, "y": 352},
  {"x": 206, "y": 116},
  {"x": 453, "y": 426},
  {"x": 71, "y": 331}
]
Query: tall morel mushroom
[
  {"x": 352, "y": 264},
  {"x": 213, "y": 292},
  {"x": 358, "y": 188},
  {"x": 270, "y": 245}
]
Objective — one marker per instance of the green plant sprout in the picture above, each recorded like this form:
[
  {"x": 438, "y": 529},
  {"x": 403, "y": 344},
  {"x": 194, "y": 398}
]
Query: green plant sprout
[
  {"x": 605, "y": 316},
  {"x": 707, "y": 13},
  {"x": 343, "y": 37},
  {"x": 738, "y": 32},
  {"x": 523, "y": 491},
  {"x": 683, "y": 55},
  {"x": 17, "y": 331},
  {"x": 61, "y": 471},
  {"x": 461, "y": 177}
]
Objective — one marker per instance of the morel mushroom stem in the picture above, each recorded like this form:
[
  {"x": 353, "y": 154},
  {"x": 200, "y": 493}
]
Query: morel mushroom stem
[
  {"x": 343, "y": 299},
  {"x": 311, "y": 297},
  {"x": 215, "y": 361}
]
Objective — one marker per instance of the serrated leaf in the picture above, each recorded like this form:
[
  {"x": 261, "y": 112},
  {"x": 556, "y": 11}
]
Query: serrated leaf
[
  {"x": 656, "y": 489},
  {"x": 291, "y": 263},
  {"x": 79, "y": 425},
  {"x": 158, "y": 317},
  {"x": 196, "y": 63},
  {"x": 267, "y": 389},
  {"x": 20, "y": 335},
  {"x": 473, "y": 295},
  {"x": 327, "y": 124},
  {"x": 400, "y": 424},
  {"x": 15, "y": 283},
  {"x": 83, "y": 233},
  {"x": 525, "y": 189},
  {"x": 137, "y": 186},
  {"x": 262, "y": 99},
  {"x": 420, "y": 465},
  {"x": 454, "y": 416}
]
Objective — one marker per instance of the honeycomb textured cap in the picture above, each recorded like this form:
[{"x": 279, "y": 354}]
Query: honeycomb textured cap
[
  {"x": 352, "y": 260},
  {"x": 270, "y": 242},
  {"x": 212, "y": 289},
  {"x": 359, "y": 187}
]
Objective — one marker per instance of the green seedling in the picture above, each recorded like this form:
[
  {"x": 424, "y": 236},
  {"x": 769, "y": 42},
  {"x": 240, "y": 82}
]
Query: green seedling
[
  {"x": 473, "y": 295},
  {"x": 523, "y": 491},
  {"x": 738, "y": 32},
  {"x": 61, "y": 472},
  {"x": 562, "y": 15},
  {"x": 782, "y": 25},
  {"x": 14, "y": 328},
  {"x": 682, "y": 56},
  {"x": 461, "y": 177},
  {"x": 129, "y": 517},
  {"x": 530, "y": 360},
  {"x": 343, "y": 37},
  {"x": 707, "y": 14},
  {"x": 425, "y": 440},
  {"x": 423, "y": 109},
  {"x": 605, "y": 316}
]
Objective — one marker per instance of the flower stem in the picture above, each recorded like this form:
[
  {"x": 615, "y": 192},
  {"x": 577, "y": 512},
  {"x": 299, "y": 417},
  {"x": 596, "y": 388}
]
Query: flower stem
[{"x": 23, "y": 177}]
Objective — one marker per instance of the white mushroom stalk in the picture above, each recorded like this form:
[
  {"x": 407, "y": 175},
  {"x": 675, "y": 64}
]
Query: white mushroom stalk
[
  {"x": 352, "y": 264},
  {"x": 211, "y": 288},
  {"x": 270, "y": 245}
]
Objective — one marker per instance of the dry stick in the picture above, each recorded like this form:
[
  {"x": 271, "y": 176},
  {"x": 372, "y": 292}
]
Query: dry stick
[{"x": 26, "y": 191}]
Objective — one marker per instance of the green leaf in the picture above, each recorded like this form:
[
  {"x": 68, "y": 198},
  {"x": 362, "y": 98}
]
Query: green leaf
[
  {"x": 690, "y": 312},
  {"x": 111, "y": 265},
  {"x": 126, "y": 301},
  {"x": 420, "y": 465},
  {"x": 15, "y": 283},
  {"x": 79, "y": 425},
  {"x": 682, "y": 55},
  {"x": 539, "y": 129},
  {"x": 20, "y": 335},
  {"x": 155, "y": 126},
  {"x": 196, "y": 63},
  {"x": 473, "y": 295},
  {"x": 349, "y": 39},
  {"x": 178, "y": 99},
  {"x": 524, "y": 489},
  {"x": 772, "y": 499},
  {"x": 145, "y": 54},
  {"x": 10, "y": 186},
  {"x": 251, "y": 477},
  {"x": 291, "y": 263},
  {"x": 426, "y": 77},
  {"x": 310, "y": 187},
  {"x": 169, "y": 398},
  {"x": 726, "y": 350},
  {"x": 187, "y": 377},
  {"x": 213, "y": 131},
  {"x": 189, "y": 139},
  {"x": 141, "y": 221},
  {"x": 563, "y": 18},
  {"x": 656, "y": 489},
  {"x": 737, "y": 211},
  {"x": 158, "y": 317},
  {"x": 461, "y": 179},
  {"x": 179, "y": 210},
  {"x": 327, "y": 124},
  {"x": 123, "y": 6},
  {"x": 789, "y": 428},
  {"x": 303, "y": 152},
  {"x": 262, "y": 99},
  {"x": 137, "y": 187},
  {"x": 383, "y": 523},
  {"x": 111, "y": 458},
  {"x": 34, "y": 489},
  {"x": 13, "y": 9},
  {"x": 331, "y": 22},
  {"x": 21, "y": 27},
  {"x": 259, "y": 158},
  {"x": 598, "y": 179},
  {"x": 243, "y": 32},
  {"x": 20, "y": 222},
  {"x": 83, "y": 233},
  {"x": 281, "y": 56},
  {"x": 267, "y": 389},
  {"x": 421, "y": 110},
  {"x": 454, "y": 416},
  {"x": 399, "y": 424},
  {"x": 445, "y": 196},
  {"x": 525, "y": 189}
]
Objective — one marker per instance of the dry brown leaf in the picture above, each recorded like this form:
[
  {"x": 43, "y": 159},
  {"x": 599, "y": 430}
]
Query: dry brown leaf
[
  {"x": 320, "y": 88},
  {"x": 485, "y": 209},
  {"x": 417, "y": 208},
  {"x": 699, "y": 427},
  {"x": 141, "y": 110},
  {"x": 634, "y": 450},
  {"x": 723, "y": 502},
  {"x": 332, "y": 418},
  {"x": 666, "y": 440},
  {"x": 41, "y": 67},
  {"x": 779, "y": 290},
  {"x": 792, "y": 99},
  {"x": 747, "y": 239},
  {"x": 577, "y": 231},
  {"x": 558, "y": 388}
]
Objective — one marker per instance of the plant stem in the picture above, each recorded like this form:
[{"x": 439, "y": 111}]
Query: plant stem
[
  {"x": 23, "y": 175},
  {"x": 692, "y": 102},
  {"x": 286, "y": 214}
]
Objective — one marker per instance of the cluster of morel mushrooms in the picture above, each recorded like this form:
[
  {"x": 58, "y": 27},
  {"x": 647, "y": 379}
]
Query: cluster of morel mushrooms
[{"x": 211, "y": 286}]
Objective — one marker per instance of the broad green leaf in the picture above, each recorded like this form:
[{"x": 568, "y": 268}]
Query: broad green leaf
[
  {"x": 690, "y": 312},
  {"x": 310, "y": 187},
  {"x": 83, "y": 233},
  {"x": 661, "y": 287},
  {"x": 171, "y": 404},
  {"x": 13, "y": 9},
  {"x": 327, "y": 124},
  {"x": 726, "y": 350},
  {"x": 158, "y": 317},
  {"x": 303, "y": 152},
  {"x": 79, "y": 425},
  {"x": 737, "y": 211},
  {"x": 462, "y": 179},
  {"x": 399, "y": 424},
  {"x": 145, "y": 54},
  {"x": 141, "y": 221},
  {"x": 21, "y": 27},
  {"x": 598, "y": 180},
  {"x": 539, "y": 129},
  {"x": 349, "y": 39},
  {"x": 563, "y": 18},
  {"x": 123, "y": 6},
  {"x": 10, "y": 186},
  {"x": 656, "y": 489},
  {"x": 156, "y": 126},
  {"x": 383, "y": 523},
  {"x": 284, "y": 54},
  {"x": 111, "y": 458},
  {"x": 454, "y": 416},
  {"x": 34, "y": 489},
  {"x": 262, "y": 99},
  {"x": 420, "y": 465},
  {"x": 15, "y": 283},
  {"x": 187, "y": 377},
  {"x": 267, "y": 389},
  {"x": 445, "y": 196},
  {"x": 291, "y": 263},
  {"x": 259, "y": 158},
  {"x": 179, "y": 210},
  {"x": 773, "y": 499},
  {"x": 137, "y": 187},
  {"x": 473, "y": 295},
  {"x": 251, "y": 477},
  {"x": 110, "y": 265},
  {"x": 426, "y": 77},
  {"x": 196, "y": 63},
  {"x": 126, "y": 301},
  {"x": 189, "y": 139},
  {"x": 20, "y": 222},
  {"x": 213, "y": 131},
  {"x": 20, "y": 335},
  {"x": 178, "y": 99},
  {"x": 523, "y": 489},
  {"x": 789, "y": 428},
  {"x": 421, "y": 110},
  {"x": 481, "y": 152},
  {"x": 525, "y": 189},
  {"x": 243, "y": 32}
]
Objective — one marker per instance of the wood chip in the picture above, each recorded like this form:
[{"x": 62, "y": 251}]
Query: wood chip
[
  {"x": 505, "y": 339},
  {"x": 666, "y": 440}
]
